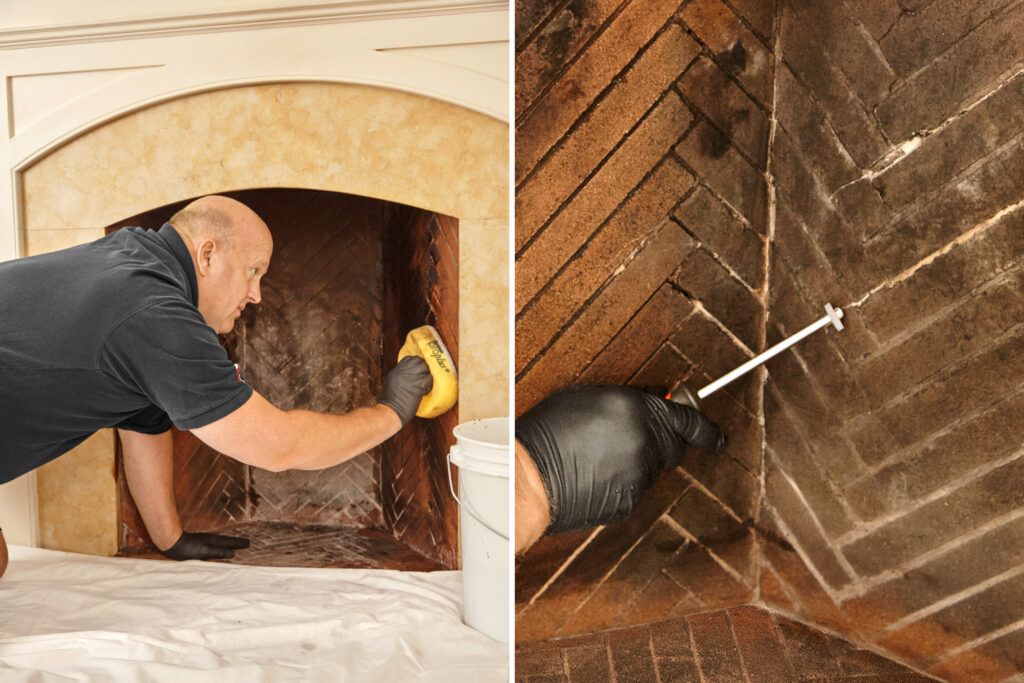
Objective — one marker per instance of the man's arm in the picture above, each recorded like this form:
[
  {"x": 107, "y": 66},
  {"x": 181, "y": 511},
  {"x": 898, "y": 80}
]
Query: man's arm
[
  {"x": 533, "y": 511},
  {"x": 261, "y": 435},
  {"x": 149, "y": 468}
]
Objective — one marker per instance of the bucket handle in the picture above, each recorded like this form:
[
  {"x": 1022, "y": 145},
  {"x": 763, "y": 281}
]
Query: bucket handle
[{"x": 466, "y": 506}]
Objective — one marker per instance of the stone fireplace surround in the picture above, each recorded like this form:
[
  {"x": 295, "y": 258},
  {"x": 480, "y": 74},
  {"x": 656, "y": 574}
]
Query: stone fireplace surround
[{"x": 98, "y": 136}]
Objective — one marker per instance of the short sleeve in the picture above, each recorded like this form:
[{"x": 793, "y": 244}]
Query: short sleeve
[
  {"x": 151, "y": 420},
  {"x": 168, "y": 353}
]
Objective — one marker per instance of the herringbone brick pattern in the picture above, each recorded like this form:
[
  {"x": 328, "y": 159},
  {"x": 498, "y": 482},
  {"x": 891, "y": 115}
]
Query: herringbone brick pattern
[
  {"x": 422, "y": 260},
  {"x": 882, "y": 170},
  {"x": 893, "y": 448},
  {"x": 738, "y": 644},
  {"x": 316, "y": 342},
  {"x": 641, "y": 157}
]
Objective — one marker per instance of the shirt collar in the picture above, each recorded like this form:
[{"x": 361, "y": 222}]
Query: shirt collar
[{"x": 181, "y": 253}]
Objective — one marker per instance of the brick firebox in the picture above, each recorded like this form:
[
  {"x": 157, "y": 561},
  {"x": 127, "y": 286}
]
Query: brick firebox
[
  {"x": 349, "y": 277},
  {"x": 694, "y": 181}
]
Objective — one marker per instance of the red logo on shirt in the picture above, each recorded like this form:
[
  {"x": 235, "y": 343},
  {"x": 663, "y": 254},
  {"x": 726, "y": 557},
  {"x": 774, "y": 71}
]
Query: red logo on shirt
[{"x": 238, "y": 374}]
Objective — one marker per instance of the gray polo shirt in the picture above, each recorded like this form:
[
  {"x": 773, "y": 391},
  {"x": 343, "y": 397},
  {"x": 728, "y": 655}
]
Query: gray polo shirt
[{"x": 106, "y": 334}]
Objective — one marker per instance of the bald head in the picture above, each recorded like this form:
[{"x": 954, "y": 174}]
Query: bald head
[
  {"x": 222, "y": 219},
  {"x": 230, "y": 247}
]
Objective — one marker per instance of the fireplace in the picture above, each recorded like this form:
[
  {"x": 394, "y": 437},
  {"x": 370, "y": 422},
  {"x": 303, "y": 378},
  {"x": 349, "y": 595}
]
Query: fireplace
[{"x": 349, "y": 277}]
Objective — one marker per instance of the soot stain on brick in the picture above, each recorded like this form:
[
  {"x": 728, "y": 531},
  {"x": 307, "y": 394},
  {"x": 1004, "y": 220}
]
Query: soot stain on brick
[
  {"x": 556, "y": 38},
  {"x": 713, "y": 143},
  {"x": 770, "y": 536},
  {"x": 735, "y": 58}
]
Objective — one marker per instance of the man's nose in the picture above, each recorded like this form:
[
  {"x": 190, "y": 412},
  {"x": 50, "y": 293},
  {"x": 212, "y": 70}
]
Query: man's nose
[{"x": 254, "y": 293}]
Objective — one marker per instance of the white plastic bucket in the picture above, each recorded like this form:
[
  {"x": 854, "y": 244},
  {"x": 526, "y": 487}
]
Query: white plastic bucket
[{"x": 481, "y": 452}]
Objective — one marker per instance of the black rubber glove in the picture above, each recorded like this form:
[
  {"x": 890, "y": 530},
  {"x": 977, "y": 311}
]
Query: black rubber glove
[
  {"x": 205, "y": 547},
  {"x": 404, "y": 387},
  {"x": 599, "y": 448}
]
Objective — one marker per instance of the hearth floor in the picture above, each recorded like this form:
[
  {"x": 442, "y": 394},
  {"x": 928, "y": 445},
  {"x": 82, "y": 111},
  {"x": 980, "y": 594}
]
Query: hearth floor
[
  {"x": 277, "y": 544},
  {"x": 742, "y": 643}
]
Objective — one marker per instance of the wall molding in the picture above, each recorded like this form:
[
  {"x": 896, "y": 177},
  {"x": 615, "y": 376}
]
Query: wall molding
[{"x": 238, "y": 20}]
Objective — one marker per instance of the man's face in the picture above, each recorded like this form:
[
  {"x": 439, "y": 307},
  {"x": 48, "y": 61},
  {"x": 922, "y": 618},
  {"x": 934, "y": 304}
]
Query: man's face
[{"x": 232, "y": 280}]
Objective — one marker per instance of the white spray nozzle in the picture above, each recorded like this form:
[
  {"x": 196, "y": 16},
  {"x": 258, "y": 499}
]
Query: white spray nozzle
[{"x": 832, "y": 317}]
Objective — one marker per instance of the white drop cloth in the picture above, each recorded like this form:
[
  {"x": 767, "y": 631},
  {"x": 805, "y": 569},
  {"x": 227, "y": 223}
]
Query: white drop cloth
[{"x": 69, "y": 617}]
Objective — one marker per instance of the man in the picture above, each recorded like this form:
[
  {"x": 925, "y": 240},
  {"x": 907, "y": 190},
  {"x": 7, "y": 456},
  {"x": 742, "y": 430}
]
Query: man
[
  {"x": 122, "y": 332},
  {"x": 585, "y": 455}
]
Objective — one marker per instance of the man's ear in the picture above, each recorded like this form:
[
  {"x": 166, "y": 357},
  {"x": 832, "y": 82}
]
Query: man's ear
[{"x": 204, "y": 254}]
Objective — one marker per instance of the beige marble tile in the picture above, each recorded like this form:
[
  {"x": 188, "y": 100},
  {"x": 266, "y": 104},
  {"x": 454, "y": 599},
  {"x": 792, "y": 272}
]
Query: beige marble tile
[
  {"x": 483, "y": 319},
  {"x": 45, "y": 241},
  {"x": 78, "y": 498},
  {"x": 339, "y": 137}
]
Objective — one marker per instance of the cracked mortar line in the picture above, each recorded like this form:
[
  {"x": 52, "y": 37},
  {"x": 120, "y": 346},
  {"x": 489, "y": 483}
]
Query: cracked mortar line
[
  {"x": 773, "y": 125},
  {"x": 720, "y": 262},
  {"x": 915, "y": 327},
  {"x": 962, "y": 239},
  {"x": 901, "y": 151},
  {"x": 698, "y": 306}
]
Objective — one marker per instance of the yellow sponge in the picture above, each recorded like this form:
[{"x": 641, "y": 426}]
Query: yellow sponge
[{"x": 426, "y": 343}]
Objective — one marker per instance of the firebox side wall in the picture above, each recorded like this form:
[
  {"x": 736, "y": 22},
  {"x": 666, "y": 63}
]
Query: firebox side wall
[
  {"x": 641, "y": 229},
  {"x": 893, "y": 463},
  {"x": 421, "y": 287}
]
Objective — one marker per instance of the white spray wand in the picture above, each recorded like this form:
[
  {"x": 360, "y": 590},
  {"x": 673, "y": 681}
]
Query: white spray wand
[{"x": 833, "y": 316}]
